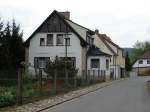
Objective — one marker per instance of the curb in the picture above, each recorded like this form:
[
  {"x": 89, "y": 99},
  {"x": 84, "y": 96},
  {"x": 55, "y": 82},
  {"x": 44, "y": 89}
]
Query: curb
[{"x": 109, "y": 83}]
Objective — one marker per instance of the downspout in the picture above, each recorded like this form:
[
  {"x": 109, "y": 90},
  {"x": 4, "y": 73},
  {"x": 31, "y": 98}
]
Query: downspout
[{"x": 115, "y": 67}]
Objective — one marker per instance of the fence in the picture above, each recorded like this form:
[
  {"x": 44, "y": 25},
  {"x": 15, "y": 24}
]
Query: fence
[{"x": 27, "y": 88}]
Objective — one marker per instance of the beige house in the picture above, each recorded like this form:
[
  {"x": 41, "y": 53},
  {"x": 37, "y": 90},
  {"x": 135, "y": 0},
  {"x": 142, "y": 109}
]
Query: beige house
[
  {"x": 117, "y": 61},
  {"x": 142, "y": 65}
]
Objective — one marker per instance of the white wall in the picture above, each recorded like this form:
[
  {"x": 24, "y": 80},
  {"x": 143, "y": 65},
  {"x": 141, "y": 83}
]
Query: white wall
[
  {"x": 35, "y": 50},
  {"x": 117, "y": 71},
  {"x": 136, "y": 64},
  {"x": 102, "y": 63}
]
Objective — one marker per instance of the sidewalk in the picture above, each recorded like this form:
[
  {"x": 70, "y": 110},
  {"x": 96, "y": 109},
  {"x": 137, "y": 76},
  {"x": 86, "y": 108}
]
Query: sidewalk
[{"x": 53, "y": 101}]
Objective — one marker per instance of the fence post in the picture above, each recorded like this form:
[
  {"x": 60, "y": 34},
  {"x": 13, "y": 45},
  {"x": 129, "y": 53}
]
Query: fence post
[
  {"x": 82, "y": 77},
  {"x": 40, "y": 80},
  {"x": 75, "y": 80},
  {"x": 89, "y": 79},
  {"x": 55, "y": 80},
  {"x": 98, "y": 75},
  {"x": 19, "y": 90},
  {"x": 93, "y": 76}
]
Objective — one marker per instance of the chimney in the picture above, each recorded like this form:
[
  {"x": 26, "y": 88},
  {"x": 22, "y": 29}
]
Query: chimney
[
  {"x": 66, "y": 14},
  {"x": 97, "y": 31}
]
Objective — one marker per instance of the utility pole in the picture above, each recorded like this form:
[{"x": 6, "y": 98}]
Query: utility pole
[{"x": 66, "y": 71}]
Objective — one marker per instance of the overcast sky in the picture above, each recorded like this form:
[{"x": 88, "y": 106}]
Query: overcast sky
[{"x": 125, "y": 21}]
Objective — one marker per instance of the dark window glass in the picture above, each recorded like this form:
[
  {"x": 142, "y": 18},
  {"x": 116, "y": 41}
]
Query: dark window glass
[
  {"x": 40, "y": 62},
  {"x": 49, "y": 39},
  {"x": 107, "y": 64},
  {"x": 148, "y": 61},
  {"x": 72, "y": 60},
  {"x": 141, "y": 62},
  {"x": 42, "y": 42},
  {"x": 60, "y": 39},
  {"x": 95, "y": 63}
]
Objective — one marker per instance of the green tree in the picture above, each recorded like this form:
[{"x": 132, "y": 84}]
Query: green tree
[
  {"x": 12, "y": 50},
  {"x": 128, "y": 66},
  {"x": 17, "y": 50},
  {"x": 139, "y": 49}
]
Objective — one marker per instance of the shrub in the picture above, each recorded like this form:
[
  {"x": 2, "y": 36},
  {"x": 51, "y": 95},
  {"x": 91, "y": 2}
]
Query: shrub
[
  {"x": 6, "y": 98},
  {"x": 60, "y": 64}
]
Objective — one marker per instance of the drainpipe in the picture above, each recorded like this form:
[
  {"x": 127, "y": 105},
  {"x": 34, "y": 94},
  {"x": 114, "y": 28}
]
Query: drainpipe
[{"x": 115, "y": 69}]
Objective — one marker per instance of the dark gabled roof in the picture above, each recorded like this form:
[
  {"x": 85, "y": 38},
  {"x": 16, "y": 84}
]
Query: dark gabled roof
[
  {"x": 146, "y": 55},
  {"x": 90, "y": 31},
  {"x": 94, "y": 51},
  {"x": 104, "y": 41},
  {"x": 83, "y": 42},
  {"x": 108, "y": 39}
]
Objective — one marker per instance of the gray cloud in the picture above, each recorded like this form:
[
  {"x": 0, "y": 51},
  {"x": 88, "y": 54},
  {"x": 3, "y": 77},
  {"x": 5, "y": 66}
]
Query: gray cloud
[{"x": 124, "y": 21}]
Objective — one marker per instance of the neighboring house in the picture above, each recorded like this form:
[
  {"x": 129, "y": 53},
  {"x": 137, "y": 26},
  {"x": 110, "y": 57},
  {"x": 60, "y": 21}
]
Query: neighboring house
[
  {"x": 142, "y": 65},
  {"x": 48, "y": 41},
  {"x": 117, "y": 60}
]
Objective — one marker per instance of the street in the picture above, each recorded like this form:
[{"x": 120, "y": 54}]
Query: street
[{"x": 131, "y": 95}]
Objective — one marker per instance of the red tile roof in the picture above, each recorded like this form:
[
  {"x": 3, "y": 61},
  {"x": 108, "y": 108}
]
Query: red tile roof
[{"x": 146, "y": 55}]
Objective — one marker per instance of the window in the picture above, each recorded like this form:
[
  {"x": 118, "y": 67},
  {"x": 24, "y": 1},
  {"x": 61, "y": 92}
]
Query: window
[
  {"x": 140, "y": 61},
  {"x": 72, "y": 60},
  {"x": 88, "y": 39},
  {"x": 148, "y": 61},
  {"x": 42, "y": 42},
  {"x": 49, "y": 39},
  {"x": 40, "y": 62},
  {"x": 107, "y": 64},
  {"x": 60, "y": 39},
  {"x": 67, "y": 41},
  {"x": 95, "y": 63},
  {"x": 92, "y": 41}
]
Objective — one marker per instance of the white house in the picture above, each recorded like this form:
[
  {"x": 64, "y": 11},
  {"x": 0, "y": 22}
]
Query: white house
[
  {"x": 117, "y": 62},
  {"x": 142, "y": 65},
  {"x": 54, "y": 34}
]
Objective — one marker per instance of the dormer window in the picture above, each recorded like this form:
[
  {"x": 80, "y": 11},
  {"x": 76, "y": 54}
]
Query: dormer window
[
  {"x": 89, "y": 39},
  {"x": 92, "y": 41},
  {"x": 42, "y": 41}
]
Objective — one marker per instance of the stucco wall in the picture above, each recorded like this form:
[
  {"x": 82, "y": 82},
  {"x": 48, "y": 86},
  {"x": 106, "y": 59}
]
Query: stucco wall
[
  {"x": 74, "y": 50},
  {"x": 102, "y": 64},
  {"x": 100, "y": 44},
  {"x": 120, "y": 59},
  {"x": 136, "y": 64}
]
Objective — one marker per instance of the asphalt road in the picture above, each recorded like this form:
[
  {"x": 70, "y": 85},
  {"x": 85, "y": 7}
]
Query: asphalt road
[{"x": 130, "y": 95}]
